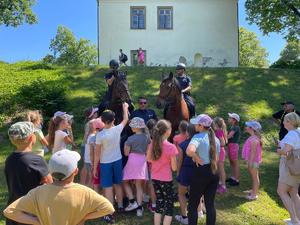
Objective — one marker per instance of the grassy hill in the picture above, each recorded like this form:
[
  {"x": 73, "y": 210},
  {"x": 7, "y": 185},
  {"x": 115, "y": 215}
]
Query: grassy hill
[{"x": 253, "y": 93}]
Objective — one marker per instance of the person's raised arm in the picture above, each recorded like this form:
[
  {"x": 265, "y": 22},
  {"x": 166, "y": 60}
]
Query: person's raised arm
[{"x": 125, "y": 114}]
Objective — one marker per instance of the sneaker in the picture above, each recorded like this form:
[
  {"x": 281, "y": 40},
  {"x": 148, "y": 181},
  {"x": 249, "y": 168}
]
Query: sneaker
[
  {"x": 247, "y": 191},
  {"x": 251, "y": 197},
  {"x": 221, "y": 189},
  {"x": 139, "y": 211},
  {"x": 151, "y": 208},
  {"x": 131, "y": 206},
  {"x": 234, "y": 183},
  {"x": 229, "y": 180},
  {"x": 200, "y": 214},
  {"x": 182, "y": 220},
  {"x": 109, "y": 219}
]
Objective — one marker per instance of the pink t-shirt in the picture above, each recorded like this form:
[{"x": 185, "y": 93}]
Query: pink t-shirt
[
  {"x": 161, "y": 169},
  {"x": 177, "y": 139},
  {"x": 247, "y": 150}
]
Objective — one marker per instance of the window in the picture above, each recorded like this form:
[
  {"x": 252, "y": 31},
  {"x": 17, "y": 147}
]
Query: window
[
  {"x": 165, "y": 18},
  {"x": 138, "y": 17}
]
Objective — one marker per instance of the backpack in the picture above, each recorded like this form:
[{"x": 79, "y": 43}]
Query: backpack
[
  {"x": 293, "y": 161},
  {"x": 125, "y": 58}
]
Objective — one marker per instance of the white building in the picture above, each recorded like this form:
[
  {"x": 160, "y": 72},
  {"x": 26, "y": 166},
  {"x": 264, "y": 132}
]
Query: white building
[{"x": 197, "y": 32}]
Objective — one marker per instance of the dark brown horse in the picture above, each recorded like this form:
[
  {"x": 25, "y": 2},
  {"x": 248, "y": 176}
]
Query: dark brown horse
[
  {"x": 170, "y": 95},
  {"x": 120, "y": 94}
]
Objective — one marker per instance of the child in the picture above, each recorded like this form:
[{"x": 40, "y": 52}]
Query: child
[
  {"x": 23, "y": 169},
  {"x": 96, "y": 125},
  {"x": 233, "y": 148},
  {"x": 162, "y": 156},
  {"x": 185, "y": 170},
  {"x": 252, "y": 153},
  {"x": 220, "y": 129},
  {"x": 64, "y": 201},
  {"x": 182, "y": 136},
  {"x": 86, "y": 172},
  {"x": 108, "y": 144},
  {"x": 36, "y": 118},
  {"x": 58, "y": 137},
  {"x": 136, "y": 168}
]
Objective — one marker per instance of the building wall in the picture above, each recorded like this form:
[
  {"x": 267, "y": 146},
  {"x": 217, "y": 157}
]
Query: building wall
[{"x": 205, "y": 32}]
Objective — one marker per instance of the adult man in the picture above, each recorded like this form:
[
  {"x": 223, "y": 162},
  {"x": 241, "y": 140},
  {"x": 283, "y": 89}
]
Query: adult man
[
  {"x": 62, "y": 202},
  {"x": 122, "y": 58},
  {"x": 109, "y": 79},
  {"x": 287, "y": 107},
  {"x": 186, "y": 85},
  {"x": 143, "y": 111}
]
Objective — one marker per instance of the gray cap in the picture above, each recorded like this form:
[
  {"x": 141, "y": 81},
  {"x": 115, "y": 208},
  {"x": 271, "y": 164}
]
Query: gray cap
[
  {"x": 20, "y": 130},
  {"x": 64, "y": 162}
]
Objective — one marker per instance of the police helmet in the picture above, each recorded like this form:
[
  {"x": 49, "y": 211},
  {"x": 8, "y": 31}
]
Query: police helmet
[
  {"x": 180, "y": 66},
  {"x": 113, "y": 64}
]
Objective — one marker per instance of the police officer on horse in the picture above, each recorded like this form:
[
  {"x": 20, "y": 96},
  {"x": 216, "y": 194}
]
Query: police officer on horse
[
  {"x": 185, "y": 83},
  {"x": 109, "y": 78}
]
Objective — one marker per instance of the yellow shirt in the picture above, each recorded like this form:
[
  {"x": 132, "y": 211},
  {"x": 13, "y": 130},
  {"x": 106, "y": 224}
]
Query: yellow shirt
[{"x": 58, "y": 205}]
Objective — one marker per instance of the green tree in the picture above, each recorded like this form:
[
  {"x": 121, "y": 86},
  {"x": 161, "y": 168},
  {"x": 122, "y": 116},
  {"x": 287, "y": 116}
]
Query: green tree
[
  {"x": 67, "y": 50},
  {"x": 281, "y": 16},
  {"x": 252, "y": 54},
  {"x": 16, "y": 12},
  {"x": 289, "y": 56}
]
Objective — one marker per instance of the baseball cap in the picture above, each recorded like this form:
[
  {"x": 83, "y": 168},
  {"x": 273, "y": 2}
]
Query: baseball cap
[
  {"x": 97, "y": 123},
  {"x": 287, "y": 103},
  {"x": 202, "y": 119},
  {"x": 137, "y": 122},
  {"x": 234, "y": 116},
  {"x": 63, "y": 115},
  {"x": 254, "y": 125},
  {"x": 63, "y": 162},
  {"x": 21, "y": 130},
  {"x": 180, "y": 66}
]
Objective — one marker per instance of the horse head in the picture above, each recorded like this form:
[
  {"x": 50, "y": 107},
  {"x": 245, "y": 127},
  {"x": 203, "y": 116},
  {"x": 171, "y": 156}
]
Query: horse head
[{"x": 167, "y": 90}]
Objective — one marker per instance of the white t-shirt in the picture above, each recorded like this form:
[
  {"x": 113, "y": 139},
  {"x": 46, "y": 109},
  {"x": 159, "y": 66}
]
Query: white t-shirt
[
  {"x": 87, "y": 158},
  {"x": 59, "y": 142},
  {"x": 292, "y": 138},
  {"x": 110, "y": 141}
]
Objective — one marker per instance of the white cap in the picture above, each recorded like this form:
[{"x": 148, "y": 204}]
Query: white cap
[
  {"x": 64, "y": 162},
  {"x": 234, "y": 116},
  {"x": 254, "y": 125}
]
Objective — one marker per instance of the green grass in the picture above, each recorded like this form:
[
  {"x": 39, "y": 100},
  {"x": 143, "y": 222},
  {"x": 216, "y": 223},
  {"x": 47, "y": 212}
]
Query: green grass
[{"x": 253, "y": 93}]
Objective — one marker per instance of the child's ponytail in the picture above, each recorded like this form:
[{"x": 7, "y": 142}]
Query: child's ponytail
[
  {"x": 212, "y": 151},
  {"x": 159, "y": 130}
]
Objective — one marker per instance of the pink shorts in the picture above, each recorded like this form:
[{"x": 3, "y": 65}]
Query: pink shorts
[
  {"x": 233, "y": 151},
  {"x": 222, "y": 154}
]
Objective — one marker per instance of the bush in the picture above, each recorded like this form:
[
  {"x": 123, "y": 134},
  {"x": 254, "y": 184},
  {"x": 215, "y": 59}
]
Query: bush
[
  {"x": 47, "y": 96},
  {"x": 293, "y": 64}
]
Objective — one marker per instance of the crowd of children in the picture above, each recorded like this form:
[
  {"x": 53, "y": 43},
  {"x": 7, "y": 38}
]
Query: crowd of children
[{"x": 198, "y": 151}]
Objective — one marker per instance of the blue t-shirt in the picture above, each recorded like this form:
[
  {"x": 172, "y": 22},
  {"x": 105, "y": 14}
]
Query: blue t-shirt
[
  {"x": 187, "y": 161},
  {"x": 184, "y": 81},
  {"x": 201, "y": 142},
  {"x": 146, "y": 114}
]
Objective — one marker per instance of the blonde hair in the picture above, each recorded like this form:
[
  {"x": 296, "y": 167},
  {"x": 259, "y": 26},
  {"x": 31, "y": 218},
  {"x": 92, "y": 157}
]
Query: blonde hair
[
  {"x": 159, "y": 130},
  {"x": 293, "y": 118},
  {"x": 34, "y": 116},
  {"x": 220, "y": 123}
]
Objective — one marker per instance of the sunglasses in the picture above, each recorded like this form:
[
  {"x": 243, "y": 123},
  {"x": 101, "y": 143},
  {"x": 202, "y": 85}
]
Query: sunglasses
[{"x": 142, "y": 103}]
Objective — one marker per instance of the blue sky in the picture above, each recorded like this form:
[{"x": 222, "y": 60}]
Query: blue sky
[{"x": 31, "y": 42}]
